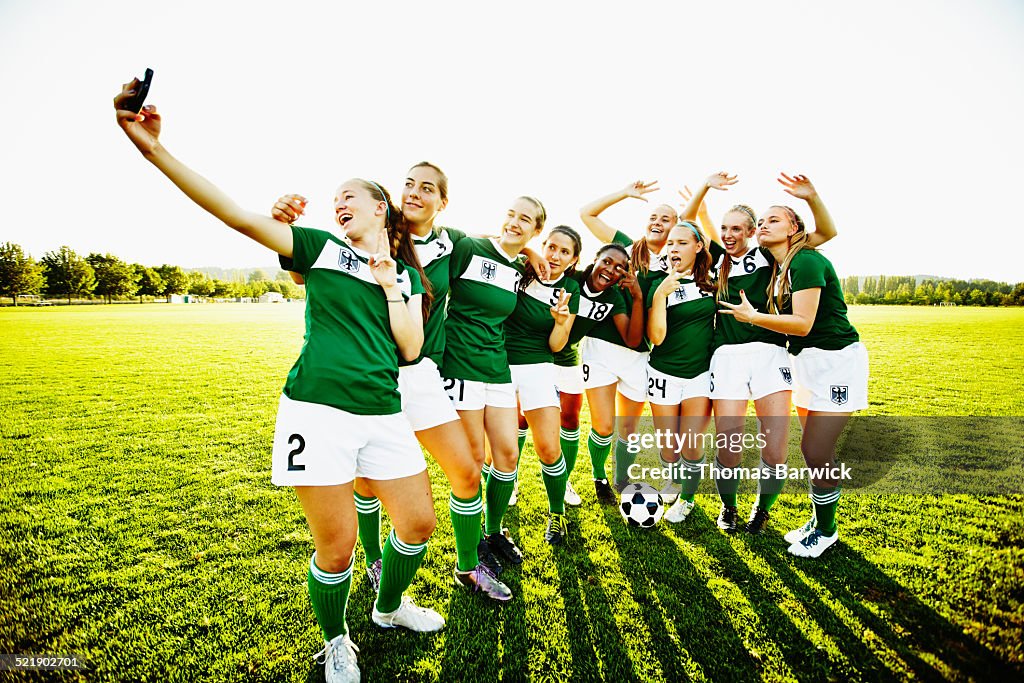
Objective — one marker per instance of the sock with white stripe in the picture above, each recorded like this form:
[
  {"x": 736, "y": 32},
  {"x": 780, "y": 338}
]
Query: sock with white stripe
[
  {"x": 599, "y": 446},
  {"x": 555, "y": 476},
  {"x": 690, "y": 474},
  {"x": 826, "y": 502},
  {"x": 368, "y": 514},
  {"x": 499, "y": 491},
  {"x": 329, "y": 595},
  {"x": 401, "y": 560},
  {"x": 768, "y": 487},
  {"x": 623, "y": 459},
  {"x": 727, "y": 488},
  {"x": 569, "y": 439},
  {"x": 465, "y": 515},
  {"x": 522, "y": 439}
]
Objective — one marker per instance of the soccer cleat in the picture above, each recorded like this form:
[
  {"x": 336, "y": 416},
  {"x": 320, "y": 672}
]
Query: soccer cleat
[
  {"x": 604, "y": 492},
  {"x": 814, "y": 544},
  {"x": 758, "y": 519},
  {"x": 515, "y": 495},
  {"x": 480, "y": 579},
  {"x": 487, "y": 558},
  {"x": 571, "y": 497},
  {"x": 797, "y": 535},
  {"x": 679, "y": 511},
  {"x": 373, "y": 574},
  {"x": 339, "y": 660},
  {"x": 411, "y": 616},
  {"x": 620, "y": 486},
  {"x": 558, "y": 529},
  {"x": 670, "y": 492},
  {"x": 505, "y": 548},
  {"x": 727, "y": 519}
]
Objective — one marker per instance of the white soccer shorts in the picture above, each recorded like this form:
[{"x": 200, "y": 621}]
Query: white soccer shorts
[
  {"x": 424, "y": 400},
  {"x": 667, "y": 390},
  {"x": 466, "y": 394},
  {"x": 534, "y": 383},
  {"x": 605, "y": 363},
  {"x": 747, "y": 372},
  {"x": 831, "y": 381},
  {"x": 569, "y": 379}
]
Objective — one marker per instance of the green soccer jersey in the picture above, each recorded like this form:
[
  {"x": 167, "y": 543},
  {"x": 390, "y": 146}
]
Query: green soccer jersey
[
  {"x": 484, "y": 282},
  {"x": 528, "y": 328},
  {"x": 434, "y": 252},
  {"x": 690, "y": 330},
  {"x": 751, "y": 273},
  {"x": 594, "y": 308},
  {"x": 832, "y": 329},
  {"x": 349, "y": 358}
]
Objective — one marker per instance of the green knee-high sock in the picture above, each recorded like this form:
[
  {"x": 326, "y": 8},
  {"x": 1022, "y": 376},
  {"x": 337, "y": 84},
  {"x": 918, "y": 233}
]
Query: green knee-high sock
[
  {"x": 329, "y": 595},
  {"x": 401, "y": 560},
  {"x": 522, "y": 439},
  {"x": 368, "y": 513},
  {"x": 623, "y": 459},
  {"x": 690, "y": 474},
  {"x": 769, "y": 486},
  {"x": 499, "y": 490},
  {"x": 555, "y": 476},
  {"x": 599, "y": 447},
  {"x": 465, "y": 513},
  {"x": 570, "y": 442},
  {"x": 826, "y": 502},
  {"x": 727, "y": 487}
]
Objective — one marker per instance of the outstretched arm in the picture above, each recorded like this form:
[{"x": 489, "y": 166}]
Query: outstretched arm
[
  {"x": 589, "y": 213},
  {"x": 143, "y": 129},
  {"x": 703, "y": 217},
  {"x": 824, "y": 228},
  {"x": 719, "y": 181},
  {"x": 796, "y": 324}
]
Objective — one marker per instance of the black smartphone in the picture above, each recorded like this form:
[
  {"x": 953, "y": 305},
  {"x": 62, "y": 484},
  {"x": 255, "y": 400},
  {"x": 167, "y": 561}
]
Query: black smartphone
[{"x": 135, "y": 102}]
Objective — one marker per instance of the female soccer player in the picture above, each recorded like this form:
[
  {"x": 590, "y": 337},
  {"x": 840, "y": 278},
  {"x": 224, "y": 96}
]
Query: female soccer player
[
  {"x": 537, "y": 328},
  {"x": 607, "y": 361},
  {"x": 830, "y": 365},
  {"x": 424, "y": 401},
  {"x": 681, "y": 326},
  {"x": 339, "y": 415},
  {"x": 750, "y": 363},
  {"x": 485, "y": 275}
]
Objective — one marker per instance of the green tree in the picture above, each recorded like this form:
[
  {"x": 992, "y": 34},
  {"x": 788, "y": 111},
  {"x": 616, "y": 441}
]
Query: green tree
[
  {"x": 19, "y": 273},
  {"x": 257, "y": 276},
  {"x": 199, "y": 284},
  {"x": 67, "y": 274},
  {"x": 114, "y": 277},
  {"x": 150, "y": 282},
  {"x": 174, "y": 278}
]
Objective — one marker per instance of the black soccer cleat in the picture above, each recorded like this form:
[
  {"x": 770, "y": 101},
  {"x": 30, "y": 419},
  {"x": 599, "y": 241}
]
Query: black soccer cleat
[
  {"x": 605, "y": 494},
  {"x": 505, "y": 548},
  {"x": 558, "y": 529},
  {"x": 487, "y": 558},
  {"x": 727, "y": 519},
  {"x": 757, "y": 522}
]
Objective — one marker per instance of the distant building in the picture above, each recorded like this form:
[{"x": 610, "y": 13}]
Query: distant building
[{"x": 272, "y": 298}]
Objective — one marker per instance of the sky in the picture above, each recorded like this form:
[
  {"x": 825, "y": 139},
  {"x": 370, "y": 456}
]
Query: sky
[{"x": 905, "y": 115}]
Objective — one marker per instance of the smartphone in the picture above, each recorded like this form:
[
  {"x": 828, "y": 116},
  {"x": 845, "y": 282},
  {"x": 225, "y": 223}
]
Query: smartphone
[{"x": 135, "y": 102}]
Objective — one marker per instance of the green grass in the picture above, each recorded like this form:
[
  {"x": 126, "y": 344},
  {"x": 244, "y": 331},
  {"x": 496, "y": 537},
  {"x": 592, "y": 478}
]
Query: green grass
[{"x": 141, "y": 531}]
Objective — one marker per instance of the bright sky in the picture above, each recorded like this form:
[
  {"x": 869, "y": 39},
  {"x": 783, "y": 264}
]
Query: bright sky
[{"x": 906, "y": 115}]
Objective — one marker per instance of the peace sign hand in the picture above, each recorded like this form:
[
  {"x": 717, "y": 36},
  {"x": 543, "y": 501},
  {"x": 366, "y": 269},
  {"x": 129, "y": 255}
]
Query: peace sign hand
[
  {"x": 668, "y": 285},
  {"x": 799, "y": 186},
  {"x": 630, "y": 284},
  {"x": 638, "y": 189},
  {"x": 560, "y": 311},
  {"x": 743, "y": 311},
  {"x": 382, "y": 266}
]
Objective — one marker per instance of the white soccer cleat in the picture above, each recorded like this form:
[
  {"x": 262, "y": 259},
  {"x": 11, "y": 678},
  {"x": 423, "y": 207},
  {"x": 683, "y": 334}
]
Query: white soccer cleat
[
  {"x": 679, "y": 511},
  {"x": 797, "y": 535},
  {"x": 515, "y": 495},
  {"x": 339, "y": 660},
  {"x": 670, "y": 492},
  {"x": 409, "y": 615},
  {"x": 814, "y": 544},
  {"x": 571, "y": 497}
]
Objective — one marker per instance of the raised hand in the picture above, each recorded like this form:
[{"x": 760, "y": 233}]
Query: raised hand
[
  {"x": 560, "y": 311},
  {"x": 630, "y": 284},
  {"x": 638, "y": 189},
  {"x": 288, "y": 208},
  {"x": 799, "y": 186},
  {"x": 143, "y": 129},
  {"x": 382, "y": 266},
  {"x": 721, "y": 180},
  {"x": 743, "y": 311}
]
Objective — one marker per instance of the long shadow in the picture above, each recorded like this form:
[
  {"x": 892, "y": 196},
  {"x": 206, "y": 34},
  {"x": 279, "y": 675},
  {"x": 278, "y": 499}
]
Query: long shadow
[{"x": 907, "y": 624}]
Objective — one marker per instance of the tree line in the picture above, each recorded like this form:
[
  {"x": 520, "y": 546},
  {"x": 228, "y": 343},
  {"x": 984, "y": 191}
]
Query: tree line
[
  {"x": 917, "y": 291},
  {"x": 64, "y": 274}
]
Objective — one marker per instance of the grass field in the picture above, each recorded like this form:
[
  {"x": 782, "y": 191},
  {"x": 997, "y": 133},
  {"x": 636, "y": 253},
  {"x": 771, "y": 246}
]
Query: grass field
[{"x": 139, "y": 529}]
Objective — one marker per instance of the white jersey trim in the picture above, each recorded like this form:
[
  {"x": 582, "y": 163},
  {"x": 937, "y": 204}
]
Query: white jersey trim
[{"x": 344, "y": 259}]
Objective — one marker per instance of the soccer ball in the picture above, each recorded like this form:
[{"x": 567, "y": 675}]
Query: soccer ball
[{"x": 641, "y": 505}]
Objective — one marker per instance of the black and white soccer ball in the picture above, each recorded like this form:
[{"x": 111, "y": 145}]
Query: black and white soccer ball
[{"x": 641, "y": 505}]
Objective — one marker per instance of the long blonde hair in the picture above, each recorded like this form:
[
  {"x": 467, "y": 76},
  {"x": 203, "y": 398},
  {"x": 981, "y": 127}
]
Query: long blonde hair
[{"x": 780, "y": 295}]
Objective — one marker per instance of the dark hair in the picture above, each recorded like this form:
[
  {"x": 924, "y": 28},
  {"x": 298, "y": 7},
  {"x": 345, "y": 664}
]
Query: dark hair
[
  {"x": 611, "y": 246},
  {"x": 442, "y": 179},
  {"x": 400, "y": 240},
  {"x": 723, "y": 272},
  {"x": 529, "y": 275}
]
